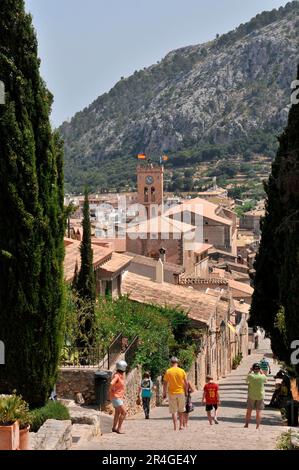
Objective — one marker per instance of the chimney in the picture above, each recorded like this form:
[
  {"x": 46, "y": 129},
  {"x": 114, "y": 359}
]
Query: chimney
[{"x": 159, "y": 272}]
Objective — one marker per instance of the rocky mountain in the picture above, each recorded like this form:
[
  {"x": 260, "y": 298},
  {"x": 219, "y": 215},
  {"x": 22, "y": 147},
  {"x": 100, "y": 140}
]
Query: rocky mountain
[{"x": 229, "y": 96}]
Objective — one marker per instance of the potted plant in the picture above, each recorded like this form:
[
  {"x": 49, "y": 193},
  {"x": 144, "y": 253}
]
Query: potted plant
[
  {"x": 24, "y": 419},
  {"x": 9, "y": 425},
  {"x": 14, "y": 423}
]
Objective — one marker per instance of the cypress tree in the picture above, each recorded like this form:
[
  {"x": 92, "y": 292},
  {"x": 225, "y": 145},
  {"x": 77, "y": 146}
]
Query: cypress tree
[
  {"x": 31, "y": 216},
  {"x": 86, "y": 287},
  {"x": 275, "y": 304},
  {"x": 86, "y": 279},
  {"x": 75, "y": 278}
]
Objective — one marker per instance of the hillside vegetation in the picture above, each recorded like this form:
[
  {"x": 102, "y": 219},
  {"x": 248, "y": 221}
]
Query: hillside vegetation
[{"x": 228, "y": 97}]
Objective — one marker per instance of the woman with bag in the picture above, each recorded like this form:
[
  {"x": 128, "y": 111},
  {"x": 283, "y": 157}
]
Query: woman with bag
[
  {"x": 189, "y": 405},
  {"x": 146, "y": 390}
]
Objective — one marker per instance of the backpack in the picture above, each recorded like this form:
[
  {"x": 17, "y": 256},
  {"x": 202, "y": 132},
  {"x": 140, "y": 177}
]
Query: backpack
[{"x": 146, "y": 388}]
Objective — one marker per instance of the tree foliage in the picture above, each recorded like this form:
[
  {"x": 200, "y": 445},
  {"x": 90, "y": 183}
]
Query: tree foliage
[
  {"x": 84, "y": 281},
  {"x": 275, "y": 303},
  {"x": 162, "y": 332},
  {"x": 31, "y": 216}
]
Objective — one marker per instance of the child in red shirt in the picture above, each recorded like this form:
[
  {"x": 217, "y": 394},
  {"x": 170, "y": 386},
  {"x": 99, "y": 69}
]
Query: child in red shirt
[{"x": 211, "y": 399}]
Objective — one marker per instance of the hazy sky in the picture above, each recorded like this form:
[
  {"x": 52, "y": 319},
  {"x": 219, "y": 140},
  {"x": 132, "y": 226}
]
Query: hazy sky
[{"x": 87, "y": 45}]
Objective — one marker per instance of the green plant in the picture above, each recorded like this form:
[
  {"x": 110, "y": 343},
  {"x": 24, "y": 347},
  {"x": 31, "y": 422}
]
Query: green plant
[
  {"x": 162, "y": 331},
  {"x": 275, "y": 298},
  {"x": 31, "y": 181},
  {"x": 52, "y": 410},
  {"x": 13, "y": 408},
  {"x": 284, "y": 441},
  {"x": 237, "y": 360},
  {"x": 186, "y": 357},
  {"x": 235, "y": 363}
]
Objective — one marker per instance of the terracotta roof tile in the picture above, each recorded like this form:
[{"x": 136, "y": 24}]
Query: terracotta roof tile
[
  {"x": 117, "y": 263},
  {"x": 201, "y": 207},
  {"x": 240, "y": 286},
  {"x": 72, "y": 255},
  {"x": 116, "y": 244},
  {"x": 198, "y": 305},
  {"x": 161, "y": 224},
  {"x": 201, "y": 248}
]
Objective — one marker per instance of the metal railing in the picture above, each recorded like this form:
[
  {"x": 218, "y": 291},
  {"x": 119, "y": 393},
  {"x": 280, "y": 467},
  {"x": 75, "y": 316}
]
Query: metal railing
[
  {"x": 100, "y": 358},
  {"x": 81, "y": 357},
  {"x": 115, "y": 349},
  {"x": 131, "y": 351}
]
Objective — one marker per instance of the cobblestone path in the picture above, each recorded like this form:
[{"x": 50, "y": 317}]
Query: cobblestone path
[{"x": 157, "y": 432}]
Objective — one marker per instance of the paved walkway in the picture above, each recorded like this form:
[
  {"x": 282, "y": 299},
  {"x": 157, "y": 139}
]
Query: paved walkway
[{"x": 157, "y": 433}]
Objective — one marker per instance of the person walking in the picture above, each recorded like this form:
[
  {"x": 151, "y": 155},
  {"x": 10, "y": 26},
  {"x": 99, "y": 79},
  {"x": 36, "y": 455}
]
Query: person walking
[
  {"x": 265, "y": 366},
  {"x": 175, "y": 380},
  {"x": 117, "y": 393},
  {"x": 146, "y": 391},
  {"x": 189, "y": 404},
  {"x": 256, "y": 380},
  {"x": 211, "y": 399}
]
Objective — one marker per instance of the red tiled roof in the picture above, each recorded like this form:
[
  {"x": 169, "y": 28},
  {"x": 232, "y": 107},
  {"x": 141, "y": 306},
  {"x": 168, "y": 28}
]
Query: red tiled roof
[
  {"x": 117, "y": 263},
  {"x": 201, "y": 248},
  {"x": 116, "y": 244},
  {"x": 72, "y": 255},
  {"x": 198, "y": 305},
  {"x": 161, "y": 224},
  {"x": 201, "y": 207},
  {"x": 241, "y": 287}
]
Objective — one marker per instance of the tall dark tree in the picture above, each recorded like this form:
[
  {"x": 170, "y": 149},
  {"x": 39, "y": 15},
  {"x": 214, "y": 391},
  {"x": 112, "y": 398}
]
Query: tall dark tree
[
  {"x": 85, "y": 285},
  {"x": 86, "y": 279},
  {"x": 275, "y": 303},
  {"x": 31, "y": 216}
]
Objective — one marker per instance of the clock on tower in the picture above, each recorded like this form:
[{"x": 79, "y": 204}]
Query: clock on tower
[
  {"x": 150, "y": 187},
  {"x": 149, "y": 179}
]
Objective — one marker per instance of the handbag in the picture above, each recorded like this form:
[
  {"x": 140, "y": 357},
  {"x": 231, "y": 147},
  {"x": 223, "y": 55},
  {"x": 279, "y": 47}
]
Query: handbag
[
  {"x": 189, "y": 404},
  {"x": 138, "y": 401},
  {"x": 189, "y": 407}
]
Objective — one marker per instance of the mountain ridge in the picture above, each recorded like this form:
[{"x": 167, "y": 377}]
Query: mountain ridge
[{"x": 227, "y": 96}]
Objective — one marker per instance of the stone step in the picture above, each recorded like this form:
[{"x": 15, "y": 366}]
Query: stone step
[{"x": 82, "y": 433}]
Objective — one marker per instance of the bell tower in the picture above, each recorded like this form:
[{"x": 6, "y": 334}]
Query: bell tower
[{"x": 150, "y": 180}]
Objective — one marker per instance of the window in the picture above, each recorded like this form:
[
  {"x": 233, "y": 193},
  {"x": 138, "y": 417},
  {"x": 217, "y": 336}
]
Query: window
[
  {"x": 108, "y": 288},
  {"x": 206, "y": 240},
  {"x": 145, "y": 194},
  {"x": 153, "y": 194}
]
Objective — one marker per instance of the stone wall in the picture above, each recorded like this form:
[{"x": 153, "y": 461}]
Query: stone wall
[
  {"x": 150, "y": 247},
  {"x": 76, "y": 380},
  {"x": 150, "y": 271},
  {"x": 197, "y": 372},
  {"x": 133, "y": 381},
  {"x": 72, "y": 381},
  {"x": 157, "y": 399},
  {"x": 53, "y": 435}
]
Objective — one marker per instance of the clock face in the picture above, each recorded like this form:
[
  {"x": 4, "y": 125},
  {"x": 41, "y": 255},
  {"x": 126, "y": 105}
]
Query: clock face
[{"x": 149, "y": 180}]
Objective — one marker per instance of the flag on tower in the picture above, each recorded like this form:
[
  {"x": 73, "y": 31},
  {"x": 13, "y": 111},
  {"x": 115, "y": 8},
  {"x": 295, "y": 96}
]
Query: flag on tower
[
  {"x": 164, "y": 158},
  {"x": 141, "y": 156}
]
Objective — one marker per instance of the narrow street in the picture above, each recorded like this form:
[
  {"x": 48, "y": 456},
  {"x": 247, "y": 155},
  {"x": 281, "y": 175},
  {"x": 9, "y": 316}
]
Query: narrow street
[{"x": 157, "y": 433}]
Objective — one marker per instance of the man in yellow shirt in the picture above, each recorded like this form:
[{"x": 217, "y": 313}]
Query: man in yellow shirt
[{"x": 175, "y": 380}]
